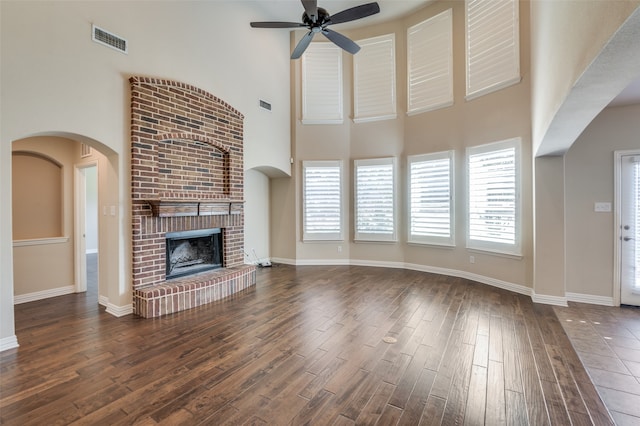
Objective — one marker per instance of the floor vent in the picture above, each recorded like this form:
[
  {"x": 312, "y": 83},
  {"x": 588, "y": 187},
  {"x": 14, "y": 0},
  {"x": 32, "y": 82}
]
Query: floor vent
[
  {"x": 265, "y": 105},
  {"x": 109, "y": 39}
]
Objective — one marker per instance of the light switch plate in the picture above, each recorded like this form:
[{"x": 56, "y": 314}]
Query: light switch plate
[{"x": 602, "y": 207}]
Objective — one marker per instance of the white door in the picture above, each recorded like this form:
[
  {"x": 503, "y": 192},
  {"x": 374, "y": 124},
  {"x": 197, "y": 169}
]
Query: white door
[{"x": 629, "y": 235}]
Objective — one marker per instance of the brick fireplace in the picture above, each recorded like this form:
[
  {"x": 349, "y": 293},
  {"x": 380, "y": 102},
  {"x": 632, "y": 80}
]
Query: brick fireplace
[{"x": 187, "y": 175}]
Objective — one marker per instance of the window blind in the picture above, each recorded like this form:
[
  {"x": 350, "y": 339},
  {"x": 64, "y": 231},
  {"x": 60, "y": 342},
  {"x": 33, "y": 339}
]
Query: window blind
[
  {"x": 322, "y": 198},
  {"x": 430, "y": 64},
  {"x": 493, "y": 45},
  {"x": 430, "y": 198},
  {"x": 374, "y": 200},
  {"x": 322, "y": 84},
  {"x": 493, "y": 173},
  {"x": 374, "y": 69}
]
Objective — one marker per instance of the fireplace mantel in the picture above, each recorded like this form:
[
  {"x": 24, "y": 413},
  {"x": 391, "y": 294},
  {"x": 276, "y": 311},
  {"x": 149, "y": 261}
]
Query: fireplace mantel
[{"x": 178, "y": 208}]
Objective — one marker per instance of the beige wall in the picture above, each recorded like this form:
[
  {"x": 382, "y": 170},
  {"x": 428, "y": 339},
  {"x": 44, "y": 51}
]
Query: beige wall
[
  {"x": 501, "y": 115},
  {"x": 37, "y": 196},
  {"x": 44, "y": 266},
  {"x": 590, "y": 178},
  {"x": 66, "y": 85},
  {"x": 549, "y": 241}
]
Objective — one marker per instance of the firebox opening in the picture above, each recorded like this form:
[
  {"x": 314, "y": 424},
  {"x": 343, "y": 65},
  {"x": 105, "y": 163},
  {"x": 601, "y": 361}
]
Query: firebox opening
[{"x": 190, "y": 252}]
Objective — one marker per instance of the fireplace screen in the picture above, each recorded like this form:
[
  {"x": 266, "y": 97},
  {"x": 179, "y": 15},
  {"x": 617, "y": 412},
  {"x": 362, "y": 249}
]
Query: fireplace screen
[{"x": 190, "y": 252}]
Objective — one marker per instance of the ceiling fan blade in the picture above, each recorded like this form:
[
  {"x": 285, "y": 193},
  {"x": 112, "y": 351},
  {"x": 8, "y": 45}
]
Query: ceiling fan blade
[
  {"x": 354, "y": 13},
  {"x": 274, "y": 24},
  {"x": 302, "y": 45},
  {"x": 341, "y": 41},
  {"x": 311, "y": 8}
]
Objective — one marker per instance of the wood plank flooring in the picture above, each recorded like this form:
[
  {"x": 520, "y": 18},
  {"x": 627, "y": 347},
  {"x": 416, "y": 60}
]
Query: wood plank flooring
[{"x": 307, "y": 345}]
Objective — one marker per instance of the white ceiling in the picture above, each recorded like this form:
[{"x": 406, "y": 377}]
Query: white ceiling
[
  {"x": 291, "y": 10},
  {"x": 629, "y": 96}
]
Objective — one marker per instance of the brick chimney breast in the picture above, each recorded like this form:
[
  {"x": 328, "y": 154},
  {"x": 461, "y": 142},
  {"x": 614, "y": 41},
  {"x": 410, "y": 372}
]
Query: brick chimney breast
[{"x": 186, "y": 174}]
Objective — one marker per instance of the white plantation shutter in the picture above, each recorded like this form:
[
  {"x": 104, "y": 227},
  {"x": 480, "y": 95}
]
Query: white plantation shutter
[
  {"x": 374, "y": 69},
  {"x": 430, "y": 64},
  {"x": 375, "y": 200},
  {"x": 494, "y": 193},
  {"x": 322, "y": 199},
  {"x": 493, "y": 45},
  {"x": 322, "y": 84},
  {"x": 430, "y": 198}
]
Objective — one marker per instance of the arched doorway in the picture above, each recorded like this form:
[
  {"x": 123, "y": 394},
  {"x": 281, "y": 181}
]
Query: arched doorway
[{"x": 60, "y": 255}]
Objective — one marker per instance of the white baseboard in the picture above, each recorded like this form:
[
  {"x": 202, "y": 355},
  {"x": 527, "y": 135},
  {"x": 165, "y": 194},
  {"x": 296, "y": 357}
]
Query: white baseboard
[
  {"x": 44, "y": 294},
  {"x": 549, "y": 300},
  {"x": 119, "y": 311},
  {"x": 103, "y": 301},
  {"x": 7, "y": 343},
  {"x": 494, "y": 282},
  {"x": 589, "y": 298}
]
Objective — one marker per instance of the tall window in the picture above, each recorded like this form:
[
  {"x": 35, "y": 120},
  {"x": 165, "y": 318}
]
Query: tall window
[
  {"x": 431, "y": 198},
  {"x": 374, "y": 79},
  {"x": 375, "y": 212},
  {"x": 430, "y": 64},
  {"x": 494, "y": 197},
  {"x": 322, "y": 200},
  {"x": 493, "y": 45},
  {"x": 322, "y": 84}
]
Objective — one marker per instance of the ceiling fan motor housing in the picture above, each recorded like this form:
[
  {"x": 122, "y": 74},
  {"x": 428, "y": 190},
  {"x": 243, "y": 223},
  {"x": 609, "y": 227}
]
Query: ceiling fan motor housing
[{"x": 323, "y": 17}]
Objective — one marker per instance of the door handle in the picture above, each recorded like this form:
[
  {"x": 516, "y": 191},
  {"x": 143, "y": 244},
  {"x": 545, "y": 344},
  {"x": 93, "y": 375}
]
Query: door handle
[{"x": 627, "y": 239}]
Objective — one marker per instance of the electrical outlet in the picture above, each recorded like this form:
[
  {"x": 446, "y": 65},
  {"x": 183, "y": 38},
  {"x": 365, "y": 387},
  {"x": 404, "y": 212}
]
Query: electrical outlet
[
  {"x": 602, "y": 207},
  {"x": 472, "y": 259},
  {"x": 339, "y": 249}
]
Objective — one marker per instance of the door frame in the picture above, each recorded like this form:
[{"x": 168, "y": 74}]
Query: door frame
[
  {"x": 617, "y": 221},
  {"x": 79, "y": 223}
]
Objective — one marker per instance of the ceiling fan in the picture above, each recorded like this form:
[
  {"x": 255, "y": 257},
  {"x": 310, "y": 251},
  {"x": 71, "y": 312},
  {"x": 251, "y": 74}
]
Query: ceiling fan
[{"x": 317, "y": 19}]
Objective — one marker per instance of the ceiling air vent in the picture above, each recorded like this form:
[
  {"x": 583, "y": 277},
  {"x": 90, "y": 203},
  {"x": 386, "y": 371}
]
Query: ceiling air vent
[
  {"x": 109, "y": 39},
  {"x": 265, "y": 105}
]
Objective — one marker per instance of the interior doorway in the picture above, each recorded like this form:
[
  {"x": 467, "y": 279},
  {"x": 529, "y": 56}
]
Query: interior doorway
[
  {"x": 87, "y": 229},
  {"x": 628, "y": 225}
]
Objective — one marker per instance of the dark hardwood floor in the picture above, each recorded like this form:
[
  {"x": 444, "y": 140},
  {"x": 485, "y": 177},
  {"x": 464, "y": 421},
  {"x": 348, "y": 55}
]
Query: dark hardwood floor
[{"x": 308, "y": 345}]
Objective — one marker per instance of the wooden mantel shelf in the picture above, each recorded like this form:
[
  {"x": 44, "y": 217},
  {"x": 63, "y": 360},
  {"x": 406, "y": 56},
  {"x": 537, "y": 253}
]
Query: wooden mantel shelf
[{"x": 176, "y": 208}]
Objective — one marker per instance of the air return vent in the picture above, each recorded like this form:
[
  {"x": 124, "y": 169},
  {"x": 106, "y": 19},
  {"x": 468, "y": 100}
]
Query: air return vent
[
  {"x": 109, "y": 39},
  {"x": 266, "y": 105}
]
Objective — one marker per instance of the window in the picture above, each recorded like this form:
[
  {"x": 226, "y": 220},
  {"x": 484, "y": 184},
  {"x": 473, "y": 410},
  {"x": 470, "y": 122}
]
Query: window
[
  {"x": 494, "y": 197},
  {"x": 374, "y": 200},
  {"x": 493, "y": 51},
  {"x": 322, "y": 84},
  {"x": 430, "y": 198},
  {"x": 322, "y": 200},
  {"x": 430, "y": 64},
  {"x": 374, "y": 75}
]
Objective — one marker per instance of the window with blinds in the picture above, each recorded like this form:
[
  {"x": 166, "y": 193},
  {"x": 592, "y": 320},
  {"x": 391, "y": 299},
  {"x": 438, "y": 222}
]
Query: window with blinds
[
  {"x": 431, "y": 198},
  {"x": 430, "y": 64},
  {"x": 493, "y": 45},
  {"x": 494, "y": 197},
  {"x": 374, "y": 78},
  {"x": 322, "y": 200},
  {"x": 322, "y": 84},
  {"x": 375, "y": 206}
]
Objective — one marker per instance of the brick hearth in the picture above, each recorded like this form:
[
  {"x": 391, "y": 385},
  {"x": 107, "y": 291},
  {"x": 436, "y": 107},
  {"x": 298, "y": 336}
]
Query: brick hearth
[{"x": 187, "y": 174}]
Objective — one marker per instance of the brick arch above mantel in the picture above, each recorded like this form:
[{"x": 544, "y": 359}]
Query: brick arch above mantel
[{"x": 193, "y": 137}]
